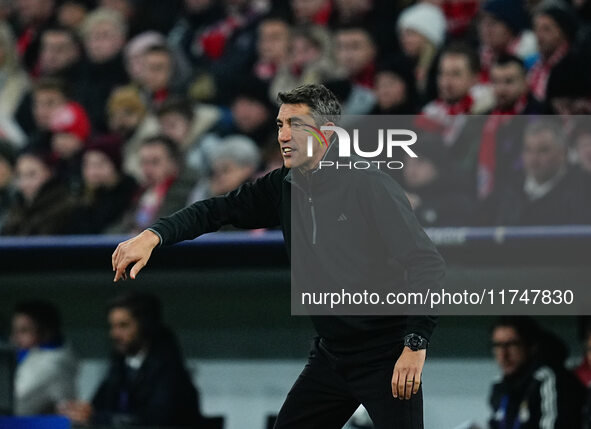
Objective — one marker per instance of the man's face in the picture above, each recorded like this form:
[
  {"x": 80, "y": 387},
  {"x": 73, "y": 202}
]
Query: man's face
[
  {"x": 66, "y": 145},
  {"x": 302, "y": 52},
  {"x": 31, "y": 175},
  {"x": 390, "y": 90},
  {"x": 419, "y": 172},
  {"x": 175, "y": 126},
  {"x": 509, "y": 84},
  {"x": 292, "y": 122},
  {"x": 354, "y": 51},
  {"x": 33, "y": 11},
  {"x": 509, "y": 350},
  {"x": 249, "y": 114},
  {"x": 583, "y": 145},
  {"x": 455, "y": 78},
  {"x": 45, "y": 104},
  {"x": 124, "y": 121},
  {"x": 156, "y": 164},
  {"x": 493, "y": 33},
  {"x": 543, "y": 156},
  {"x": 273, "y": 42},
  {"x": 158, "y": 71},
  {"x": 548, "y": 34},
  {"x": 228, "y": 175},
  {"x": 305, "y": 10},
  {"x": 98, "y": 170},
  {"x": 103, "y": 42},
  {"x": 58, "y": 52},
  {"x": 124, "y": 331},
  {"x": 24, "y": 334}
]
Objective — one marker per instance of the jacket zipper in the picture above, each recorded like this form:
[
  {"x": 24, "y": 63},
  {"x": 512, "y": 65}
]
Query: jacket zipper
[
  {"x": 313, "y": 220},
  {"x": 312, "y": 211}
]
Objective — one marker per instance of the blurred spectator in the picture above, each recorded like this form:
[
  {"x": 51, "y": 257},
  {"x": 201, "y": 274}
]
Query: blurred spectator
[
  {"x": 458, "y": 89},
  {"x": 61, "y": 54},
  {"x": 104, "y": 32},
  {"x": 459, "y": 93},
  {"x": 421, "y": 29},
  {"x": 434, "y": 188},
  {"x": 46, "y": 369},
  {"x": 459, "y": 15},
  {"x": 164, "y": 190},
  {"x": 356, "y": 52},
  {"x": 500, "y": 146},
  {"x": 134, "y": 53},
  {"x": 233, "y": 161},
  {"x": 550, "y": 192},
  {"x": 36, "y": 111},
  {"x": 311, "y": 11},
  {"x": 309, "y": 60},
  {"x": 377, "y": 15},
  {"x": 583, "y": 371},
  {"x": 272, "y": 47},
  {"x": 395, "y": 88},
  {"x": 43, "y": 205},
  {"x": 503, "y": 29},
  {"x": 569, "y": 87},
  {"x": 108, "y": 193},
  {"x": 147, "y": 382},
  {"x": 71, "y": 13},
  {"x": 31, "y": 18},
  {"x": 129, "y": 119},
  {"x": 70, "y": 129},
  {"x": 14, "y": 82},
  {"x": 253, "y": 115},
  {"x": 7, "y": 161},
  {"x": 583, "y": 148},
  {"x": 536, "y": 391},
  {"x": 157, "y": 77},
  {"x": 185, "y": 125},
  {"x": 354, "y": 99},
  {"x": 555, "y": 26}
]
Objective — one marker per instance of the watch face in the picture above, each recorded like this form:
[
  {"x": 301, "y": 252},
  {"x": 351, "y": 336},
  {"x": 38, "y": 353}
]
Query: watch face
[{"x": 414, "y": 342}]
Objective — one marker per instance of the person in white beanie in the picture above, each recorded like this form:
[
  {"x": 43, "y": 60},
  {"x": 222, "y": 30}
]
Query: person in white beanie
[{"x": 421, "y": 30}]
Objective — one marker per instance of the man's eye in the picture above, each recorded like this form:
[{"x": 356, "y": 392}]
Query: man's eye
[{"x": 296, "y": 125}]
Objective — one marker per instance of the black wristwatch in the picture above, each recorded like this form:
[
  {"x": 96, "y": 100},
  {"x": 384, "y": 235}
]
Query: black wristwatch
[{"x": 415, "y": 342}]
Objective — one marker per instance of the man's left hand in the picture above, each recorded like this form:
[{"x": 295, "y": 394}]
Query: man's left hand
[{"x": 407, "y": 373}]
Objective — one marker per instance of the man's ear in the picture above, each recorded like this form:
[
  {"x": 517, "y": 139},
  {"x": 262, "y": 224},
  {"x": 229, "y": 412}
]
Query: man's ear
[{"x": 328, "y": 133}]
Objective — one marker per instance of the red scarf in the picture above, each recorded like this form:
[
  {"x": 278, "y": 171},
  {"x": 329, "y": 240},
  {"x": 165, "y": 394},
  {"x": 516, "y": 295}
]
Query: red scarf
[
  {"x": 366, "y": 76},
  {"x": 487, "y": 159},
  {"x": 443, "y": 118},
  {"x": 540, "y": 71}
]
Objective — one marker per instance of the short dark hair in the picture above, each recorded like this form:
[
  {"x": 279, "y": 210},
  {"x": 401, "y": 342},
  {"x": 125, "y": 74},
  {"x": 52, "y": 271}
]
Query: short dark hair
[
  {"x": 144, "y": 307},
  {"x": 323, "y": 104},
  {"x": 45, "y": 315},
  {"x": 169, "y": 144},
  {"x": 176, "y": 105},
  {"x": 51, "y": 84},
  {"x": 67, "y": 31},
  {"x": 507, "y": 59},
  {"x": 528, "y": 330},
  {"x": 464, "y": 49}
]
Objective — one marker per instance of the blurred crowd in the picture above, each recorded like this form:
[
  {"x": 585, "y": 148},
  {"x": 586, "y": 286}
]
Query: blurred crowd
[
  {"x": 116, "y": 112},
  {"x": 147, "y": 381}
]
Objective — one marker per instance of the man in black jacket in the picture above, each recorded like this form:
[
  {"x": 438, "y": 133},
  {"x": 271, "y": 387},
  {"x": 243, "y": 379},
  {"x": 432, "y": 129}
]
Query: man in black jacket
[
  {"x": 352, "y": 360},
  {"x": 147, "y": 383}
]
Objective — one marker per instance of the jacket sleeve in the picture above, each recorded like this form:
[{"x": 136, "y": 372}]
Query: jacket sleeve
[
  {"x": 252, "y": 205},
  {"x": 407, "y": 243}
]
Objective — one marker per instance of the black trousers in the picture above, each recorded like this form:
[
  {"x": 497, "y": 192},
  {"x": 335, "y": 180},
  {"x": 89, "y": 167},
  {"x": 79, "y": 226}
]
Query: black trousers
[{"x": 331, "y": 387}]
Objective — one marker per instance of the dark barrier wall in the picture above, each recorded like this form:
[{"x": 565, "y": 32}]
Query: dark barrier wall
[{"x": 227, "y": 294}]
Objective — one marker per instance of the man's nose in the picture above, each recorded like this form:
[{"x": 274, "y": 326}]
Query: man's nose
[{"x": 284, "y": 134}]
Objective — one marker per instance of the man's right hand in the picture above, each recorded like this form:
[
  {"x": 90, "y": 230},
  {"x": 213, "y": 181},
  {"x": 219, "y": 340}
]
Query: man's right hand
[{"x": 137, "y": 251}]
